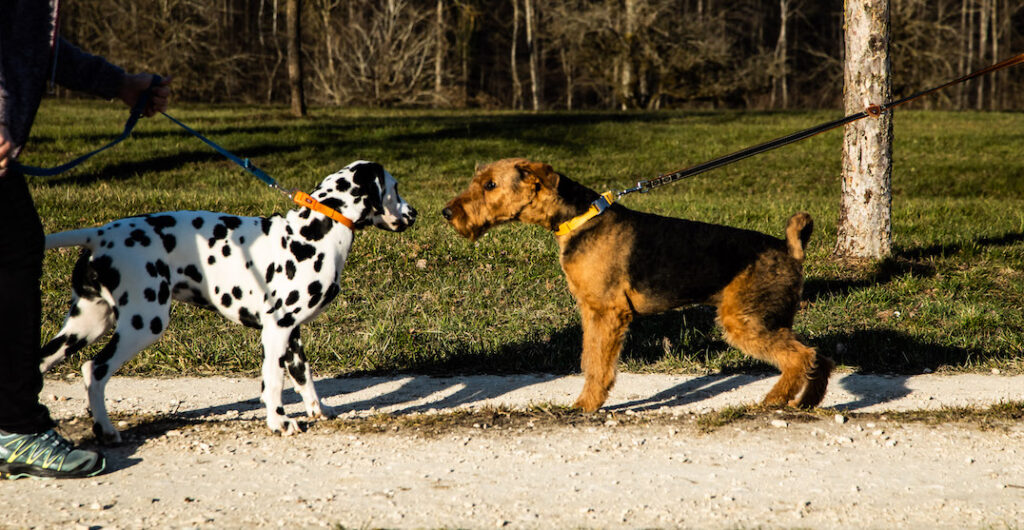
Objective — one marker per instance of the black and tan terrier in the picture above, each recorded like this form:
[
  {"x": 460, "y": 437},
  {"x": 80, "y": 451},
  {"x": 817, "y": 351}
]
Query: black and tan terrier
[{"x": 624, "y": 263}]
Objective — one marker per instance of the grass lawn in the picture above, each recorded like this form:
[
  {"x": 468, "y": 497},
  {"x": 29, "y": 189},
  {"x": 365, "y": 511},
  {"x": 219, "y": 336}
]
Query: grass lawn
[{"x": 428, "y": 301}]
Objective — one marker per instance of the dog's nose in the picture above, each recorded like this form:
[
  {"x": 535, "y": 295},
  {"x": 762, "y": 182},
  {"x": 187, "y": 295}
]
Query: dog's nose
[{"x": 447, "y": 213}]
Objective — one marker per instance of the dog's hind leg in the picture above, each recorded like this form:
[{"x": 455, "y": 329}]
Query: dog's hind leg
[
  {"x": 603, "y": 333},
  {"x": 275, "y": 348},
  {"x": 86, "y": 321},
  {"x": 800, "y": 365},
  {"x": 88, "y": 318},
  {"x": 817, "y": 382},
  {"x": 302, "y": 377}
]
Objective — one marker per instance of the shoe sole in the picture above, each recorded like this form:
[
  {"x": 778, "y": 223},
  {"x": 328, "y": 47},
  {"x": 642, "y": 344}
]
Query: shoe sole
[{"x": 18, "y": 471}]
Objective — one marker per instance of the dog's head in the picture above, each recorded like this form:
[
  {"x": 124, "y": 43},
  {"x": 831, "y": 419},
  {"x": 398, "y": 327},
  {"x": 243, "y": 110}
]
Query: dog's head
[
  {"x": 508, "y": 190},
  {"x": 368, "y": 195}
]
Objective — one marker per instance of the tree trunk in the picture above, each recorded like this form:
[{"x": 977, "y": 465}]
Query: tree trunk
[
  {"x": 993, "y": 82},
  {"x": 298, "y": 97},
  {"x": 961, "y": 63},
  {"x": 567, "y": 69},
  {"x": 627, "y": 81},
  {"x": 970, "y": 47},
  {"x": 439, "y": 53},
  {"x": 780, "y": 85},
  {"x": 531, "y": 48},
  {"x": 983, "y": 13},
  {"x": 865, "y": 210},
  {"x": 517, "y": 86}
]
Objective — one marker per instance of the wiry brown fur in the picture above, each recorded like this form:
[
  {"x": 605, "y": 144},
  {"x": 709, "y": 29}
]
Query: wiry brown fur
[{"x": 625, "y": 263}]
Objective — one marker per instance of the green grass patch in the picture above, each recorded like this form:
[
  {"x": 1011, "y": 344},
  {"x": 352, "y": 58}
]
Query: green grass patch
[{"x": 949, "y": 299}]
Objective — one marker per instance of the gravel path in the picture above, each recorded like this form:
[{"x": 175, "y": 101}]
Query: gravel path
[{"x": 644, "y": 461}]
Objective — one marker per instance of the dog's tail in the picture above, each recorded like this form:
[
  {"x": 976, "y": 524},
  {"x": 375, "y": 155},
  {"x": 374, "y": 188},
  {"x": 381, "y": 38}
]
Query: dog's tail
[
  {"x": 83, "y": 237},
  {"x": 798, "y": 233}
]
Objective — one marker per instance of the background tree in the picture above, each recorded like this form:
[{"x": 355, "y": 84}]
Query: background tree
[
  {"x": 295, "y": 78},
  {"x": 439, "y": 53},
  {"x": 679, "y": 53},
  {"x": 533, "y": 52}
]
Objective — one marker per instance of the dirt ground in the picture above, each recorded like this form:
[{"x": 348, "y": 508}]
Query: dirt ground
[{"x": 493, "y": 451}]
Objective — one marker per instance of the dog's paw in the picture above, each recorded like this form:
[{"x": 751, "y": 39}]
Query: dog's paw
[
  {"x": 321, "y": 412},
  {"x": 284, "y": 426},
  {"x": 586, "y": 405},
  {"x": 773, "y": 402},
  {"x": 106, "y": 437}
]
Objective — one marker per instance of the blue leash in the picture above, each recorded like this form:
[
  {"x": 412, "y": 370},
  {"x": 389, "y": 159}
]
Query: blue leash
[
  {"x": 244, "y": 163},
  {"x": 133, "y": 119},
  {"x": 296, "y": 196}
]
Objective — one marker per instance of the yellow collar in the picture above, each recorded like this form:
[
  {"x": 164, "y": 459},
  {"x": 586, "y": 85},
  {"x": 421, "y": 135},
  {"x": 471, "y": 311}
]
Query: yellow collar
[{"x": 596, "y": 208}]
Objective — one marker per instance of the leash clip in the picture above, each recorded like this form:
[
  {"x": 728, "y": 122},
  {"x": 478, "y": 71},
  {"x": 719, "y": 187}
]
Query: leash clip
[
  {"x": 602, "y": 203},
  {"x": 639, "y": 187}
]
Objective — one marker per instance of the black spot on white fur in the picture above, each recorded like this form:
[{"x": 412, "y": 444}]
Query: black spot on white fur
[
  {"x": 194, "y": 274},
  {"x": 302, "y": 251}
]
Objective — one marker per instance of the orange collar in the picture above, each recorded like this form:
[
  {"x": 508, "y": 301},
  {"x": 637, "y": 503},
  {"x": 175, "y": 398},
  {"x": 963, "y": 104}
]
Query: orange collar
[{"x": 303, "y": 199}]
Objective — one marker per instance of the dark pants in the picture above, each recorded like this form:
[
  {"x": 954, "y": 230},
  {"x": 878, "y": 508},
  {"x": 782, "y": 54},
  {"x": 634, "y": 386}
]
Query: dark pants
[{"x": 21, "y": 267}]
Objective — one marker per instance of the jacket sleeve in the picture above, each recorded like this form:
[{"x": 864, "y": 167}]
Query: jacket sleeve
[{"x": 83, "y": 72}]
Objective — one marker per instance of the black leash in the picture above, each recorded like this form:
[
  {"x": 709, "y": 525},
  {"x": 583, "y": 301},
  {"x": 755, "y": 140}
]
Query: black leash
[
  {"x": 872, "y": 111},
  {"x": 607, "y": 198}
]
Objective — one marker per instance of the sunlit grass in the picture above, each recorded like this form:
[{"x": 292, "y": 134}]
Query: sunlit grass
[{"x": 950, "y": 298}]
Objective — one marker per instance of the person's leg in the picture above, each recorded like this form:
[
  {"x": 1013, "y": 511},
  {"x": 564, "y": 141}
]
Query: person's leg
[
  {"x": 28, "y": 444},
  {"x": 21, "y": 264}
]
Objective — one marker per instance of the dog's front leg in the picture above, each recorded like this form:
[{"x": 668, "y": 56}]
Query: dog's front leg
[
  {"x": 302, "y": 377},
  {"x": 275, "y": 346},
  {"x": 603, "y": 332}
]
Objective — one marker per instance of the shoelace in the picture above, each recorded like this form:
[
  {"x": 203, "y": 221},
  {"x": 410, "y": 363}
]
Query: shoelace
[{"x": 51, "y": 437}]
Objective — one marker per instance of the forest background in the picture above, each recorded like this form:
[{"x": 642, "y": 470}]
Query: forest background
[{"x": 550, "y": 54}]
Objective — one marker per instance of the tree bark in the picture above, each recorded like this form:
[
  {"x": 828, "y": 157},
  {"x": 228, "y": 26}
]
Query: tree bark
[
  {"x": 439, "y": 53},
  {"x": 780, "y": 85},
  {"x": 298, "y": 96},
  {"x": 865, "y": 210},
  {"x": 517, "y": 86},
  {"x": 961, "y": 62},
  {"x": 983, "y": 13},
  {"x": 531, "y": 48},
  {"x": 627, "y": 81},
  {"x": 567, "y": 69}
]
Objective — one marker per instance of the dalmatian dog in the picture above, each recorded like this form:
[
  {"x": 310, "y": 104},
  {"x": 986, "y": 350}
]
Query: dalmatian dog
[{"x": 269, "y": 273}]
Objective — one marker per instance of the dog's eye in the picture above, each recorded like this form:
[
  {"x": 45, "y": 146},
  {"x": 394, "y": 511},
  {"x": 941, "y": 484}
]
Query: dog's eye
[{"x": 490, "y": 185}]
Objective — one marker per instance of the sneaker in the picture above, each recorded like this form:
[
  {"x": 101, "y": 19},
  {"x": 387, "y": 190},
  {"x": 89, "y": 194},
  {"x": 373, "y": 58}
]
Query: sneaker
[{"x": 46, "y": 455}]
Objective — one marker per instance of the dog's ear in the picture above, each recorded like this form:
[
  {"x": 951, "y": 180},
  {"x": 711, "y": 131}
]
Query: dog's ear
[{"x": 543, "y": 173}]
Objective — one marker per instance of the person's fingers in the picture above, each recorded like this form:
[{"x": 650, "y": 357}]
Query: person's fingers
[
  {"x": 6, "y": 149},
  {"x": 160, "y": 95}
]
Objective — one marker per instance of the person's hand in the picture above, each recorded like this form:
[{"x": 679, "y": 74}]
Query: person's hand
[
  {"x": 6, "y": 149},
  {"x": 134, "y": 85}
]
